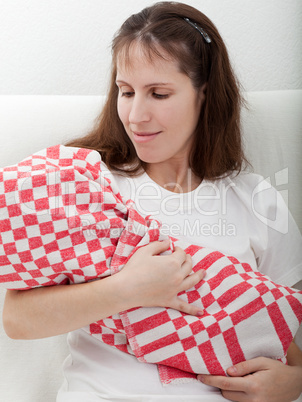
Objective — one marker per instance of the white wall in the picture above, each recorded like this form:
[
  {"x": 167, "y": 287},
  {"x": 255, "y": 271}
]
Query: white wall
[{"x": 62, "y": 46}]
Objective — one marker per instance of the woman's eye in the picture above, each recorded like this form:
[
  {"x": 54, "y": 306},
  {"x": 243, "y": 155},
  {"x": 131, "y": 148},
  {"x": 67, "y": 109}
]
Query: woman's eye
[
  {"x": 127, "y": 94},
  {"x": 160, "y": 96}
]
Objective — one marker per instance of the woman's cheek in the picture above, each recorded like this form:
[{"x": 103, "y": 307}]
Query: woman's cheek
[
  {"x": 122, "y": 110},
  {"x": 119, "y": 110}
]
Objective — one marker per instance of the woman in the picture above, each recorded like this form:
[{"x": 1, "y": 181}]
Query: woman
[{"x": 170, "y": 136}]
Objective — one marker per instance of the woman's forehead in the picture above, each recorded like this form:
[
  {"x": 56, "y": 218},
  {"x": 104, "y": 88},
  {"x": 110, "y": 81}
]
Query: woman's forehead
[
  {"x": 138, "y": 54},
  {"x": 142, "y": 72}
]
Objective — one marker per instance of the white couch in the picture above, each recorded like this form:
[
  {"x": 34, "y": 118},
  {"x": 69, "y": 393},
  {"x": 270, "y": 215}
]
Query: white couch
[{"x": 31, "y": 370}]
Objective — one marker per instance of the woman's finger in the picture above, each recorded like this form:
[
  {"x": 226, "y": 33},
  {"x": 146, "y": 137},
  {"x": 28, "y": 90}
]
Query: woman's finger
[
  {"x": 186, "y": 266},
  {"x": 248, "y": 367},
  {"x": 180, "y": 255},
  {"x": 185, "y": 307},
  {"x": 224, "y": 383},
  {"x": 236, "y": 396},
  {"x": 191, "y": 280},
  {"x": 155, "y": 247}
]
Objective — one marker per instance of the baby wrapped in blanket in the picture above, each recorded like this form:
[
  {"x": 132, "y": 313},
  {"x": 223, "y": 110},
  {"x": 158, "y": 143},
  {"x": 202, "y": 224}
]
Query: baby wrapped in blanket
[{"x": 63, "y": 221}]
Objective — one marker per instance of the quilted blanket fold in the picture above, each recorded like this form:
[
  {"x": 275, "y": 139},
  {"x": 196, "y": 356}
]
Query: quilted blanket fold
[{"x": 63, "y": 220}]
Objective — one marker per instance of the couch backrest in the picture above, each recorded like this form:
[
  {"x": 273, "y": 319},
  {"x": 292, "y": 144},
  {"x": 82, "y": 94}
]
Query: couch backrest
[{"x": 273, "y": 136}]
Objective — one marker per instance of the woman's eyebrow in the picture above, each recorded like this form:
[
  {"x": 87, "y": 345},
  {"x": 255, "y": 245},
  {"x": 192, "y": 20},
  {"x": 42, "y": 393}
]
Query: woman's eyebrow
[
  {"x": 153, "y": 84},
  {"x": 157, "y": 84}
]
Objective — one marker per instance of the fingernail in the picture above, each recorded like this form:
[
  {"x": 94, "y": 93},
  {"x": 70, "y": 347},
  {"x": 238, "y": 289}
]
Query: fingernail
[
  {"x": 199, "y": 313},
  {"x": 201, "y": 378},
  {"x": 232, "y": 370}
]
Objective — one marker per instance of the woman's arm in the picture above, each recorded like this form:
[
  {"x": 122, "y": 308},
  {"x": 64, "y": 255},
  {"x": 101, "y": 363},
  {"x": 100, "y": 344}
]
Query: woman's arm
[
  {"x": 49, "y": 311},
  {"x": 262, "y": 379},
  {"x": 147, "y": 279},
  {"x": 294, "y": 356}
]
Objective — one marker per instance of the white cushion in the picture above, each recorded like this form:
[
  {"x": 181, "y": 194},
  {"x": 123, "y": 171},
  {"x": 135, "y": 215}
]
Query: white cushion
[{"x": 273, "y": 136}]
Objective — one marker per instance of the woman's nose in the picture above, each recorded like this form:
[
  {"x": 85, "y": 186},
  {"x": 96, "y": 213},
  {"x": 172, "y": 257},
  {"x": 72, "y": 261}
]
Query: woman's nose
[{"x": 139, "y": 111}]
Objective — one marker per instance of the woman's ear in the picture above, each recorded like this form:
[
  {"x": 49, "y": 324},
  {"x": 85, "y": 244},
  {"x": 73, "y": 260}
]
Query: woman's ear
[
  {"x": 202, "y": 93},
  {"x": 203, "y": 89}
]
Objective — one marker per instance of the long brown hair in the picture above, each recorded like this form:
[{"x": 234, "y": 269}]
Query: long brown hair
[{"x": 217, "y": 150}]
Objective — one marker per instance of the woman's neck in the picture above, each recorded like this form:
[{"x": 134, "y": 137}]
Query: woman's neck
[{"x": 172, "y": 177}]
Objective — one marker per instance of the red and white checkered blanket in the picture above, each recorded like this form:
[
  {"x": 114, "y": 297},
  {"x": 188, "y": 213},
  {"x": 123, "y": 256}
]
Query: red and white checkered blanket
[{"x": 63, "y": 221}]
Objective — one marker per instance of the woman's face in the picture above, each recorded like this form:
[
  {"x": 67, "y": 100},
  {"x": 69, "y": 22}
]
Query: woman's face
[{"x": 158, "y": 106}]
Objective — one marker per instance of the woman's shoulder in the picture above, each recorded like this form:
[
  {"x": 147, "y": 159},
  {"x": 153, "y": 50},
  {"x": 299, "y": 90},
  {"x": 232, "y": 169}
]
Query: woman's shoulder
[
  {"x": 245, "y": 180},
  {"x": 255, "y": 194},
  {"x": 265, "y": 204},
  {"x": 244, "y": 186}
]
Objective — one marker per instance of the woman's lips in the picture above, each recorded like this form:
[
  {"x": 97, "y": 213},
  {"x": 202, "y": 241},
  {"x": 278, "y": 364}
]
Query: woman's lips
[{"x": 144, "y": 137}]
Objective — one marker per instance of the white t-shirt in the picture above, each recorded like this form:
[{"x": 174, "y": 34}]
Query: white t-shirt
[{"x": 242, "y": 216}]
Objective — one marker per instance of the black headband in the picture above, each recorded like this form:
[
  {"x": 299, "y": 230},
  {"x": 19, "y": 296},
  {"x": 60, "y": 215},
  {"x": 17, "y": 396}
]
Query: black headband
[{"x": 205, "y": 36}]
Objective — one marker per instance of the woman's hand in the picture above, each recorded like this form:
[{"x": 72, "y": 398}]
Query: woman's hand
[
  {"x": 261, "y": 379},
  {"x": 146, "y": 280},
  {"x": 155, "y": 280}
]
